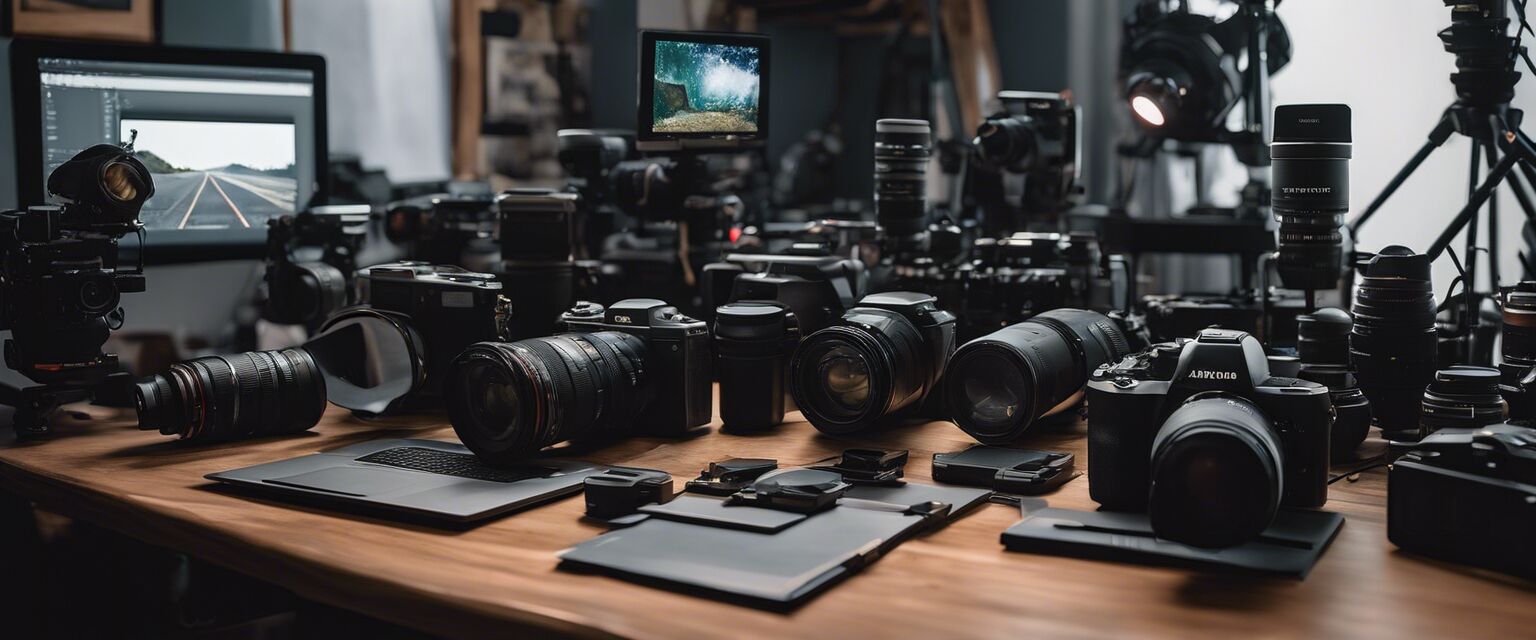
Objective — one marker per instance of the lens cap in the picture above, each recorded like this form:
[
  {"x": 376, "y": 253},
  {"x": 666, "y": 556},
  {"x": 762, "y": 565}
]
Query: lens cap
[
  {"x": 1312, "y": 123},
  {"x": 753, "y": 321},
  {"x": 1398, "y": 261}
]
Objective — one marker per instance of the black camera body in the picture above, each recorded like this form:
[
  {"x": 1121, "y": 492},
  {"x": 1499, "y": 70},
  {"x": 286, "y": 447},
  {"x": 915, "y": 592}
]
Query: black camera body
[
  {"x": 536, "y": 267},
  {"x": 678, "y": 358},
  {"x": 1131, "y": 402},
  {"x": 304, "y": 287},
  {"x": 1035, "y": 137},
  {"x": 1467, "y": 496},
  {"x": 816, "y": 285},
  {"x": 440, "y": 228}
]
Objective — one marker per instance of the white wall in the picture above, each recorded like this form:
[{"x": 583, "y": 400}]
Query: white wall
[{"x": 1382, "y": 57}]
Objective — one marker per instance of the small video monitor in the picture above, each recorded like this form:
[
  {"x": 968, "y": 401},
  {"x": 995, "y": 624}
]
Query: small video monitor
[
  {"x": 232, "y": 138},
  {"x": 702, "y": 90}
]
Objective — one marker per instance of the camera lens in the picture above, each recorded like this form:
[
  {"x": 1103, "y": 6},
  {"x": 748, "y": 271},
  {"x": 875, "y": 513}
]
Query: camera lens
[
  {"x": 508, "y": 400},
  {"x": 305, "y": 292},
  {"x": 902, "y": 149},
  {"x": 1461, "y": 397},
  {"x": 1351, "y": 409},
  {"x": 1216, "y": 473},
  {"x": 850, "y": 377},
  {"x": 1392, "y": 344},
  {"x": 246, "y": 395},
  {"x": 1000, "y": 384},
  {"x": 753, "y": 341},
  {"x": 1310, "y": 176},
  {"x": 1006, "y": 141},
  {"x": 1517, "y": 349}
]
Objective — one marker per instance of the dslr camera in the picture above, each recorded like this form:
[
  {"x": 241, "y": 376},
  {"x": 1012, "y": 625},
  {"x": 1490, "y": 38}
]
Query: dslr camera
[
  {"x": 391, "y": 352},
  {"x": 61, "y": 284},
  {"x": 815, "y": 284},
  {"x": 310, "y": 260},
  {"x": 1466, "y": 495},
  {"x": 442, "y": 228},
  {"x": 1201, "y": 436},
  {"x": 637, "y": 367}
]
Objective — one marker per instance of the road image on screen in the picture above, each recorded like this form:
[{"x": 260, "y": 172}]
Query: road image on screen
[
  {"x": 705, "y": 88},
  {"x": 216, "y": 175}
]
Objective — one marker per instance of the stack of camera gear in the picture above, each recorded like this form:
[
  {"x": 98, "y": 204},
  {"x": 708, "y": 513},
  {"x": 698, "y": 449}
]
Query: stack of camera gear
[
  {"x": 537, "y": 266},
  {"x": 1392, "y": 344},
  {"x": 814, "y": 284},
  {"x": 445, "y": 228},
  {"x": 680, "y": 222},
  {"x": 1018, "y": 277},
  {"x": 637, "y": 367},
  {"x": 589, "y": 157},
  {"x": 61, "y": 285},
  {"x": 1517, "y": 352},
  {"x": 392, "y": 351},
  {"x": 310, "y": 260}
]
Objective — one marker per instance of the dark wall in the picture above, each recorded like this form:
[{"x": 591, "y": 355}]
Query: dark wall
[
  {"x": 612, "y": 31},
  {"x": 1031, "y": 42}
]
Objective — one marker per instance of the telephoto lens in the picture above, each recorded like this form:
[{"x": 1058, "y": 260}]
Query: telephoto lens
[
  {"x": 1517, "y": 350},
  {"x": 1461, "y": 397},
  {"x": 1392, "y": 344},
  {"x": 876, "y": 365},
  {"x": 1322, "y": 343},
  {"x": 508, "y": 400},
  {"x": 1310, "y": 180},
  {"x": 902, "y": 149},
  {"x": 223, "y": 398},
  {"x": 753, "y": 341},
  {"x": 998, "y": 385}
]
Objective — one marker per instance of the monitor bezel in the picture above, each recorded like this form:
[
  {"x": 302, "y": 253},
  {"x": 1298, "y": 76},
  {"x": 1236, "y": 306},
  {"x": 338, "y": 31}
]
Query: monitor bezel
[
  {"x": 159, "y": 248},
  {"x": 648, "y": 140}
]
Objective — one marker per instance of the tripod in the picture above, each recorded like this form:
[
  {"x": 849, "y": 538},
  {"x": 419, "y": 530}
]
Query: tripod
[{"x": 1484, "y": 83}]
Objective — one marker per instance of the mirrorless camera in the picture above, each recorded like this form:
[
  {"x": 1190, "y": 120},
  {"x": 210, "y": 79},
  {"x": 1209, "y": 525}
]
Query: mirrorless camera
[
  {"x": 637, "y": 367},
  {"x": 1467, "y": 496},
  {"x": 310, "y": 259},
  {"x": 1200, "y": 435},
  {"x": 391, "y": 352},
  {"x": 61, "y": 282}
]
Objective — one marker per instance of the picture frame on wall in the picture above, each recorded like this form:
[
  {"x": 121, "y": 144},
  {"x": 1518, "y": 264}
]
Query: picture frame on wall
[{"x": 114, "y": 20}]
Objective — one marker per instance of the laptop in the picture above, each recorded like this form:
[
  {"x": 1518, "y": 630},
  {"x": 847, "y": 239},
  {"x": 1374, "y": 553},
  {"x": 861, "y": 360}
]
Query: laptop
[{"x": 427, "y": 480}]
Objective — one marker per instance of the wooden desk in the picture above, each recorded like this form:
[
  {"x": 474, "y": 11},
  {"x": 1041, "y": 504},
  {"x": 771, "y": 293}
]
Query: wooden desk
[{"x": 500, "y": 578}]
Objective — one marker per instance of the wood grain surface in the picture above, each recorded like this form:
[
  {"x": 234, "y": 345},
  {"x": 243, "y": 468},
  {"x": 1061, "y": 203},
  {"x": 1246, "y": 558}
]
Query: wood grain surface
[{"x": 499, "y": 579}]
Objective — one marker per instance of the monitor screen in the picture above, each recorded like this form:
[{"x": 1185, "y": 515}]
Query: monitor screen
[
  {"x": 703, "y": 87},
  {"x": 232, "y": 139}
]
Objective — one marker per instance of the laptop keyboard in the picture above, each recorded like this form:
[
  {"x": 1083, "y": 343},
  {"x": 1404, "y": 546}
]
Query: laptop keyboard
[{"x": 459, "y": 465}]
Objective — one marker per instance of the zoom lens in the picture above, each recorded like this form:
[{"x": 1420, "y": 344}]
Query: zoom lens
[
  {"x": 508, "y": 400},
  {"x": 1517, "y": 349},
  {"x": 882, "y": 360},
  {"x": 1216, "y": 473},
  {"x": 1461, "y": 397},
  {"x": 1310, "y": 178},
  {"x": 1000, "y": 384},
  {"x": 902, "y": 149},
  {"x": 222, "y": 398},
  {"x": 753, "y": 341},
  {"x": 1392, "y": 344}
]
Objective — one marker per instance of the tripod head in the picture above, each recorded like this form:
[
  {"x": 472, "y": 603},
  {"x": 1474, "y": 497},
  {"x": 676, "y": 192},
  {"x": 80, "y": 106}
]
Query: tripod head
[{"x": 1485, "y": 53}]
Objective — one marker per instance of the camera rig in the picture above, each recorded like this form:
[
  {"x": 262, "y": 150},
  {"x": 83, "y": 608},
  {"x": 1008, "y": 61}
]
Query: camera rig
[{"x": 61, "y": 285}]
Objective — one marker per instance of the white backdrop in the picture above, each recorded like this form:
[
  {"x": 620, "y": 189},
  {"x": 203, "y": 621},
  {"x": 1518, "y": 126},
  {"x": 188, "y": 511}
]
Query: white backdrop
[{"x": 1382, "y": 57}]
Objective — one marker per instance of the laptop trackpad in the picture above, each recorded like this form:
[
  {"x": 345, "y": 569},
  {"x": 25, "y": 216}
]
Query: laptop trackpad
[{"x": 351, "y": 481}]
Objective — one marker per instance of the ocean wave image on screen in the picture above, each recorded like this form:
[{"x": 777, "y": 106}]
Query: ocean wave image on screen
[{"x": 704, "y": 88}]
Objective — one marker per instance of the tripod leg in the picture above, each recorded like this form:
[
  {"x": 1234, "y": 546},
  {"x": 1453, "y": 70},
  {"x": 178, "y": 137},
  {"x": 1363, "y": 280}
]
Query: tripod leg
[
  {"x": 1437, "y": 137},
  {"x": 1469, "y": 259},
  {"x": 1479, "y": 196},
  {"x": 1492, "y": 154}
]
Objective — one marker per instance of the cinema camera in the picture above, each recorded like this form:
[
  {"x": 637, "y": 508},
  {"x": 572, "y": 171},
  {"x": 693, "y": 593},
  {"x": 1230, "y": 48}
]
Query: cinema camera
[
  {"x": 61, "y": 285},
  {"x": 310, "y": 260},
  {"x": 1028, "y": 153}
]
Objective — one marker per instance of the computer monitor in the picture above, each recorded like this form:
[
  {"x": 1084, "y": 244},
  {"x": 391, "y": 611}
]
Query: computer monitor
[
  {"x": 702, "y": 90},
  {"x": 233, "y": 138}
]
